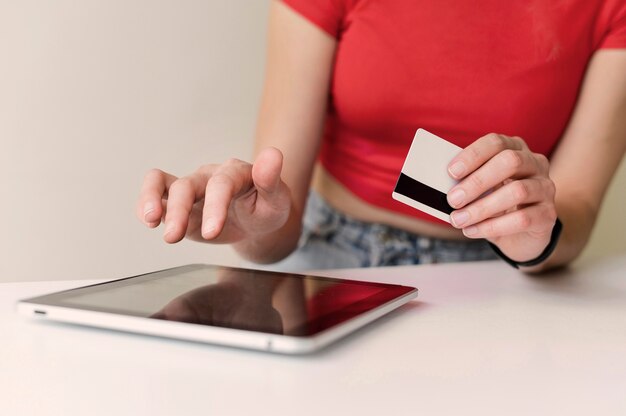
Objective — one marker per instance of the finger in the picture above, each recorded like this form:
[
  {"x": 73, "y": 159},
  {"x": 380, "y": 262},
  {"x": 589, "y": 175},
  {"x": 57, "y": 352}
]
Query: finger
[
  {"x": 479, "y": 152},
  {"x": 178, "y": 310},
  {"x": 183, "y": 193},
  {"x": 508, "y": 164},
  {"x": 535, "y": 219},
  {"x": 511, "y": 195},
  {"x": 266, "y": 171},
  {"x": 154, "y": 188},
  {"x": 231, "y": 179}
]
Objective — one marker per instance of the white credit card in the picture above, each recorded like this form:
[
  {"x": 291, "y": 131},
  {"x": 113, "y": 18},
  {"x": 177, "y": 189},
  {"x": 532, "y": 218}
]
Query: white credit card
[{"x": 424, "y": 181}]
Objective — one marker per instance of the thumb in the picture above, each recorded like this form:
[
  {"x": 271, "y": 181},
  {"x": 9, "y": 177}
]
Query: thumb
[{"x": 266, "y": 171}]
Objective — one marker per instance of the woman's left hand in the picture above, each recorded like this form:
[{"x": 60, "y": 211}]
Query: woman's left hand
[{"x": 505, "y": 195}]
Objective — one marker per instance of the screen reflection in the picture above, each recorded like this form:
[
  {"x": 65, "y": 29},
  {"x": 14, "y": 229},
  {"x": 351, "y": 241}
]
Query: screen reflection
[{"x": 281, "y": 304}]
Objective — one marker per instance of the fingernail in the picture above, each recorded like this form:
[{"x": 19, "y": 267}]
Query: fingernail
[
  {"x": 169, "y": 228},
  {"x": 456, "y": 197},
  {"x": 459, "y": 218},
  {"x": 207, "y": 227},
  {"x": 457, "y": 169},
  {"x": 147, "y": 209},
  {"x": 470, "y": 231}
]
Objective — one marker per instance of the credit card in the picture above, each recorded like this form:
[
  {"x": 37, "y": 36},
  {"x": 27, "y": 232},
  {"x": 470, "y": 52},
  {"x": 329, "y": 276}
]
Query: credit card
[{"x": 424, "y": 181}]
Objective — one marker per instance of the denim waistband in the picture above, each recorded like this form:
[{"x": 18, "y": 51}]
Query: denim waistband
[{"x": 332, "y": 239}]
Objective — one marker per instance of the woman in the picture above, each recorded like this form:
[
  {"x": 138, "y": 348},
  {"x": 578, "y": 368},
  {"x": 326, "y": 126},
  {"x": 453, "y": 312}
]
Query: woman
[{"x": 535, "y": 93}]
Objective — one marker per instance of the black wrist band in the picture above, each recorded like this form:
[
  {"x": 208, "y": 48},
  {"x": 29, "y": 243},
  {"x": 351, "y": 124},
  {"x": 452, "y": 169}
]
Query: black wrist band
[{"x": 554, "y": 239}]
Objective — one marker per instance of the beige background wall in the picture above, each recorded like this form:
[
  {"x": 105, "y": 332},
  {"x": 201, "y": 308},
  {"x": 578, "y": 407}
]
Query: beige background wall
[{"x": 93, "y": 93}]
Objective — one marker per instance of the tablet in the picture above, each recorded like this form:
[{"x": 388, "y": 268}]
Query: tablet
[{"x": 271, "y": 311}]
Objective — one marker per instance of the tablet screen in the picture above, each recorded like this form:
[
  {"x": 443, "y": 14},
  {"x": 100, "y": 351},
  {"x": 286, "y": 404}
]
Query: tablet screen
[{"x": 253, "y": 300}]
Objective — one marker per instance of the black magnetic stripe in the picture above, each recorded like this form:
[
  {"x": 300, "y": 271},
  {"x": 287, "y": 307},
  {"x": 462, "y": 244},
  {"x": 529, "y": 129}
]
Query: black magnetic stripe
[{"x": 423, "y": 193}]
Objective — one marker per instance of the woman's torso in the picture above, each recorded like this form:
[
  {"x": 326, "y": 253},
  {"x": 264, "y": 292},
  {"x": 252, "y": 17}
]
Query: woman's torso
[
  {"x": 451, "y": 67},
  {"x": 341, "y": 199}
]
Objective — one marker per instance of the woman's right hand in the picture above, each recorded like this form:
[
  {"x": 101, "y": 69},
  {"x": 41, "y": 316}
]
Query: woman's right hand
[{"x": 224, "y": 203}]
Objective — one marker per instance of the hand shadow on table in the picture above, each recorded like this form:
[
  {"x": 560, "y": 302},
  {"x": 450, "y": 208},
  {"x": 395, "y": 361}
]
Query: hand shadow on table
[{"x": 594, "y": 280}]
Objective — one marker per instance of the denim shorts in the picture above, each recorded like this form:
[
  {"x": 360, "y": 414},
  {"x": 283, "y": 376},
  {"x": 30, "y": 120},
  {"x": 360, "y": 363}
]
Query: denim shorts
[{"x": 333, "y": 240}]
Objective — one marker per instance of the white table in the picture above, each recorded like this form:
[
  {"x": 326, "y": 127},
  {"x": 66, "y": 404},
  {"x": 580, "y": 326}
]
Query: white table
[{"x": 482, "y": 339}]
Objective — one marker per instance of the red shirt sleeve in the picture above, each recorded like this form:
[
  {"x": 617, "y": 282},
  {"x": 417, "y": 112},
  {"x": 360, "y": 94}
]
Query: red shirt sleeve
[
  {"x": 615, "y": 34},
  {"x": 329, "y": 15}
]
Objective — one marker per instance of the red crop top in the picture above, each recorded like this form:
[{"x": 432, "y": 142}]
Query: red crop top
[{"x": 459, "y": 69}]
